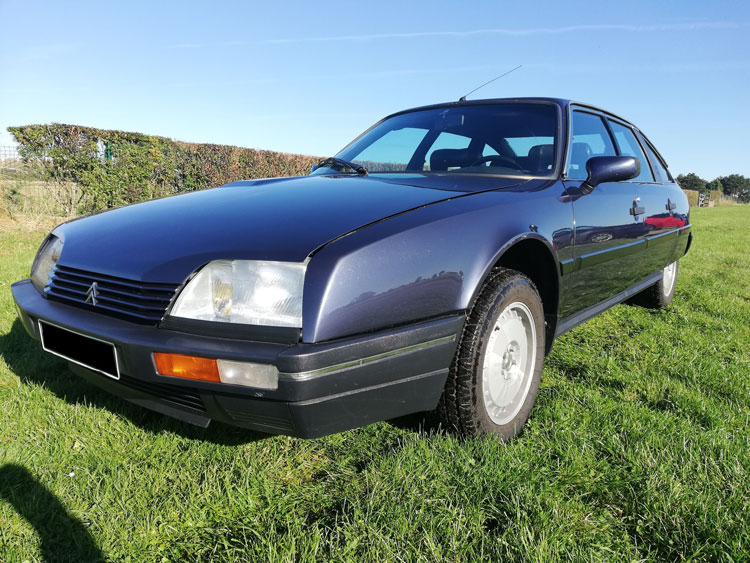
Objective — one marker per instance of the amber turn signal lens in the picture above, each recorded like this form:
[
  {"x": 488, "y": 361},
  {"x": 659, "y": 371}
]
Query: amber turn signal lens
[{"x": 187, "y": 367}]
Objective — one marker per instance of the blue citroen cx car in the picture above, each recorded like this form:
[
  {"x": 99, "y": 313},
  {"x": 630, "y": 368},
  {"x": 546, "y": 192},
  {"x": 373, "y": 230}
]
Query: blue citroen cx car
[{"x": 428, "y": 266}]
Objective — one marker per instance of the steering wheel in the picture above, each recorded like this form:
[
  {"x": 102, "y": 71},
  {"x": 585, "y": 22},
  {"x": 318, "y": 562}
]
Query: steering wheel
[{"x": 496, "y": 157}]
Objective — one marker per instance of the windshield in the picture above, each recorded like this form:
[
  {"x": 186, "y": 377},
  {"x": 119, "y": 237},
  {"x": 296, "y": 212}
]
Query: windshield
[{"x": 504, "y": 138}]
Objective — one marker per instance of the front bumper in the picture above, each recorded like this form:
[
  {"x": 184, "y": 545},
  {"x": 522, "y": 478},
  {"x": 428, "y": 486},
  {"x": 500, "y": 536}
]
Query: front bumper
[{"x": 323, "y": 388}]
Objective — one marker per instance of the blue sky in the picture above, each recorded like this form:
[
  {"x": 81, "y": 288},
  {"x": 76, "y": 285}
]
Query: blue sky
[{"x": 308, "y": 77}]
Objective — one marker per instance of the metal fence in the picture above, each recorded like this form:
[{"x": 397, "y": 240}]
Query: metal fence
[
  {"x": 9, "y": 152},
  {"x": 704, "y": 200}
]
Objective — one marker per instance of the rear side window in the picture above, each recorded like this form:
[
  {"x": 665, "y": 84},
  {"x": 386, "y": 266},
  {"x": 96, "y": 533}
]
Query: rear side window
[
  {"x": 629, "y": 146},
  {"x": 660, "y": 172},
  {"x": 590, "y": 138}
]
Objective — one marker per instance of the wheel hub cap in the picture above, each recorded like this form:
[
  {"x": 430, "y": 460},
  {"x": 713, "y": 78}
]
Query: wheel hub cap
[
  {"x": 508, "y": 364},
  {"x": 510, "y": 360}
]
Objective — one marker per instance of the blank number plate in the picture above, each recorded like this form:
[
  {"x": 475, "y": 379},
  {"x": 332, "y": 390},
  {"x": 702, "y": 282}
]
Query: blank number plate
[{"x": 91, "y": 353}]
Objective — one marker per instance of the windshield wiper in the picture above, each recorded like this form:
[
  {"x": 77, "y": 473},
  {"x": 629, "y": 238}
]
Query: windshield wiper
[{"x": 361, "y": 170}]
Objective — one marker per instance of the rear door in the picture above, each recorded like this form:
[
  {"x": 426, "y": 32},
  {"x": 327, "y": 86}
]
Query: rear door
[
  {"x": 659, "y": 220},
  {"x": 673, "y": 220}
]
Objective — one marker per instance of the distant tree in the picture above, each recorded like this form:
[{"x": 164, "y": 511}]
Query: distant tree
[
  {"x": 736, "y": 185},
  {"x": 691, "y": 182}
]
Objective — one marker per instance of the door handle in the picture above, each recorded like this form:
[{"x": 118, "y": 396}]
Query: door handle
[
  {"x": 636, "y": 210},
  {"x": 670, "y": 205}
]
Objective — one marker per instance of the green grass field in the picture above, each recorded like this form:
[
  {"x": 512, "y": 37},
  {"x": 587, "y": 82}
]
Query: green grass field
[{"x": 638, "y": 449}]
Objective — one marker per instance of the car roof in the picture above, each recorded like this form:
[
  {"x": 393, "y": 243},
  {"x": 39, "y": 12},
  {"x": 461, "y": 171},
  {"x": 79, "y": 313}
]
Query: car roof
[{"x": 563, "y": 103}]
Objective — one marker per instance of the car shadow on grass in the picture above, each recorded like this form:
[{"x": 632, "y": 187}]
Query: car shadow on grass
[
  {"x": 25, "y": 358},
  {"x": 62, "y": 536},
  {"x": 422, "y": 423}
]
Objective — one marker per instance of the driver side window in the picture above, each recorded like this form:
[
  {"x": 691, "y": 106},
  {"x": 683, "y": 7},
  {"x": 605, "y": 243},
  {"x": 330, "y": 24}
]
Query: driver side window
[{"x": 589, "y": 138}]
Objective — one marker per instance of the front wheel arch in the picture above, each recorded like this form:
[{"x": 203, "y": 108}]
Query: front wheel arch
[{"x": 531, "y": 255}]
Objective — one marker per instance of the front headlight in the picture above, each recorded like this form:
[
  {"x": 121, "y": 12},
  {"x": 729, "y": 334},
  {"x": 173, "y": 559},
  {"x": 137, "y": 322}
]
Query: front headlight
[
  {"x": 46, "y": 258},
  {"x": 245, "y": 292}
]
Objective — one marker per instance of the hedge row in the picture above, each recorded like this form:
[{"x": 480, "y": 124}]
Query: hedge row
[{"x": 103, "y": 168}]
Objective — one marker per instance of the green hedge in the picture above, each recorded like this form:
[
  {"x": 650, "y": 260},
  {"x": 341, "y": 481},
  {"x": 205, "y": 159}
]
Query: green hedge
[{"x": 102, "y": 168}]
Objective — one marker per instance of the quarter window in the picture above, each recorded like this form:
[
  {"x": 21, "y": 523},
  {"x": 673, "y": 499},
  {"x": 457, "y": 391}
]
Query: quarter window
[
  {"x": 590, "y": 138},
  {"x": 629, "y": 146}
]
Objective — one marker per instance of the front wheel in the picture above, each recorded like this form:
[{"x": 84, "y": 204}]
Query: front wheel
[{"x": 494, "y": 378}]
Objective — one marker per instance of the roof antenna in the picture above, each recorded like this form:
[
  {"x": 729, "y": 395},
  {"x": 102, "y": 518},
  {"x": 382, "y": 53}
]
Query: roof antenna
[{"x": 463, "y": 98}]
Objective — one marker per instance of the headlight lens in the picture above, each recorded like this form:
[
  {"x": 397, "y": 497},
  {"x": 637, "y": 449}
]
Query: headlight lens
[
  {"x": 46, "y": 258},
  {"x": 245, "y": 292}
]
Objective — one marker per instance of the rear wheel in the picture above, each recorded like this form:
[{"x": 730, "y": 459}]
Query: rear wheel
[
  {"x": 660, "y": 294},
  {"x": 494, "y": 378}
]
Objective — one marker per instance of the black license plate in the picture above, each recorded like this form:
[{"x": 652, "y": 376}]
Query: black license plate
[{"x": 91, "y": 353}]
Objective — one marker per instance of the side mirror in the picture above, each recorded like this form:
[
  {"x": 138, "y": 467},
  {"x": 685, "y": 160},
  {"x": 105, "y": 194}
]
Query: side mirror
[
  {"x": 610, "y": 169},
  {"x": 314, "y": 168}
]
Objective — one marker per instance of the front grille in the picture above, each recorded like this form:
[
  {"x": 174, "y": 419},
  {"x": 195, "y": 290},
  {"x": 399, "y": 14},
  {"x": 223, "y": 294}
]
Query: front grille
[{"x": 132, "y": 300}]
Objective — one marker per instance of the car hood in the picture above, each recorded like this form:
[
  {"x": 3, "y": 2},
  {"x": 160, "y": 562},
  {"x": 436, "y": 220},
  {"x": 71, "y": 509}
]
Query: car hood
[{"x": 284, "y": 219}]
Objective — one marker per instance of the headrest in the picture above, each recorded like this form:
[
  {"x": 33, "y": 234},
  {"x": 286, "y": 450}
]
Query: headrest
[
  {"x": 442, "y": 159},
  {"x": 579, "y": 156},
  {"x": 580, "y": 153},
  {"x": 540, "y": 157}
]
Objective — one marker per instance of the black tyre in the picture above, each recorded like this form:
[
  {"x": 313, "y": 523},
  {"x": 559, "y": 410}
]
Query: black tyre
[
  {"x": 494, "y": 378},
  {"x": 660, "y": 294}
]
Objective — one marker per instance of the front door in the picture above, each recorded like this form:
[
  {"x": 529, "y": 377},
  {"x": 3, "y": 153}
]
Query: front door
[{"x": 610, "y": 232}]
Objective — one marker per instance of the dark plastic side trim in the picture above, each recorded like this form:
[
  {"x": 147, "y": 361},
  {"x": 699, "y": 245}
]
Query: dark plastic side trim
[
  {"x": 310, "y": 357},
  {"x": 337, "y": 368},
  {"x": 582, "y": 316},
  {"x": 357, "y": 408}
]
